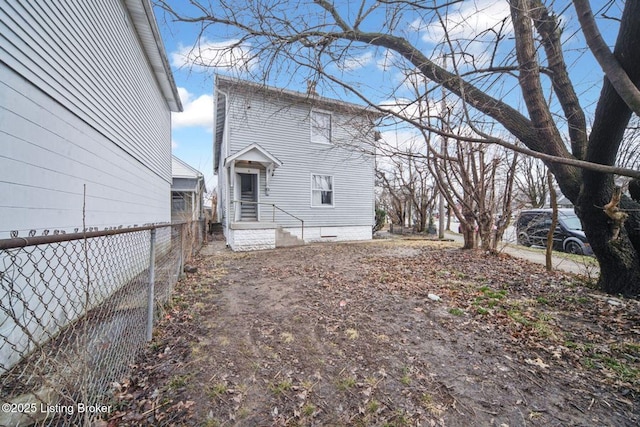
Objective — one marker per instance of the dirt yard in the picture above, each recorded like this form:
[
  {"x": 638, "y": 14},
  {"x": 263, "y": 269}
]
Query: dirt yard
[{"x": 385, "y": 333}]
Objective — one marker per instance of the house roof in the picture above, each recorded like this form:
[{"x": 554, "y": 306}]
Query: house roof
[
  {"x": 180, "y": 169},
  {"x": 144, "y": 21},
  {"x": 222, "y": 82},
  {"x": 185, "y": 177}
]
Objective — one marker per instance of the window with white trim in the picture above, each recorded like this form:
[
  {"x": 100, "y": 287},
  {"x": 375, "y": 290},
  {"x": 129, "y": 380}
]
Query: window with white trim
[
  {"x": 321, "y": 190},
  {"x": 320, "y": 127}
]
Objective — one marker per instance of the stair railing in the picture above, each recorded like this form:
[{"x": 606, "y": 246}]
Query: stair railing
[{"x": 274, "y": 207}]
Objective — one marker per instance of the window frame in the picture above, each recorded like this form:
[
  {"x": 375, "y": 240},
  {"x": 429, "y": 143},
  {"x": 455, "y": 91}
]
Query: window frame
[
  {"x": 314, "y": 136},
  {"x": 333, "y": 191},
  {"x": 178, "y": 196}
]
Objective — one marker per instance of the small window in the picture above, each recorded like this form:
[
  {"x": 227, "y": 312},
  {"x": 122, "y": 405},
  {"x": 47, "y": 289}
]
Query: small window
[
  {"x": 178, "y": 202},
  {"x": 321, "y": 190},
  {"x": 320, "y": 127}
]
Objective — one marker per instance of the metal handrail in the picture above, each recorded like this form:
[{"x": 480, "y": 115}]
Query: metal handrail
[{"x": 274, "y": 206}]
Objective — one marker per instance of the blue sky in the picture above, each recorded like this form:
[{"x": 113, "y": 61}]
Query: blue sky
[{"x": 369, "y": 69}]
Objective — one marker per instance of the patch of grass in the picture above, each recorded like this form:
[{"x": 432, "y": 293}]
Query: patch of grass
[
  {"x": 571, "y": 345},
  {"x": 346, "y": 383},
  {"x": 217, "y": 390},
  {"x": 542, "y": 301},
  {"x": 543, "y": 329},
  {"x": 578, "y": 300},
  {"x": 426, "y": 400},
  {"x": 280, "y": 387},
  {"x": 178, "y": 381},
  {"x": 406, "y": 376},
  {"x": 456, "y": 311},
  {"x": 286, "y": 337},
  {"x": 518, "y": 317},
  {"x": 373, "y": 406},
  {"x": 352, "y": 334},
  {"x": 212, "y": 423},
  {"x": 631, "y": 349},
  {"x": 308, "y": 409},
  {"x": 489, "y": 299},
  {"x": 491, "y": 294},
  {"x": 624, "y": 371},
  {"x": 398, "y": 419}
]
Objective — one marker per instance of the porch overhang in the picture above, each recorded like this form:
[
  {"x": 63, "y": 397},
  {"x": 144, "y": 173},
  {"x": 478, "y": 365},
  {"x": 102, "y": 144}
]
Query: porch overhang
[{"x": 253, "y": 155}]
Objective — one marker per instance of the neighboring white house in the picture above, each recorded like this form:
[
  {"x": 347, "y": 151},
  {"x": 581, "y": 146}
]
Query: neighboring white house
[
  {"x": 291, "y": 163},
  {"x": 86, "y": 95},
  {"x": 187, "y": 192}
]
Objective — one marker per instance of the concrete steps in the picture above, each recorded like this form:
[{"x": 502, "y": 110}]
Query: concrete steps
[{"x": 285, "y": 239}]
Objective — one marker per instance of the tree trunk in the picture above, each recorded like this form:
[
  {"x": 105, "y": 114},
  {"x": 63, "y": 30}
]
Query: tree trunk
[
  {"x": 554, "y": 222},
  {"x": 618, "y": 255}
]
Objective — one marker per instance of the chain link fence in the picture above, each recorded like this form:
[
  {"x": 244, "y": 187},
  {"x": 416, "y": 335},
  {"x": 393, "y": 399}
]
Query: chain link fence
[{"x": 75, "y": 309}]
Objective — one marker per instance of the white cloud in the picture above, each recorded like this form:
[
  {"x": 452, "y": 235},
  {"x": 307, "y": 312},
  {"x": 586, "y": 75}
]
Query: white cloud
[
  {"x": 470, "y": 20},
  {"x": 198, "y": 111},
  {"x": 358, "y": 61},
  {"x": 230, "y": 54},
  {"x": 387, "y": 60}
]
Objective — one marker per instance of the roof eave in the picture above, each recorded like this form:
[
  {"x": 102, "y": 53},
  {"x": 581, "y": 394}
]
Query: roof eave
[{"x": 146, "y": 26}]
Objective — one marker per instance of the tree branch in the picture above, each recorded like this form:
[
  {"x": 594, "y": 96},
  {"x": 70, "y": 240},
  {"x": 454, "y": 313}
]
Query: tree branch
[{"x": 610, "y": 65}]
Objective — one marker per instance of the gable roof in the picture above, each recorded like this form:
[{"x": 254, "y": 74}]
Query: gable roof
[
  {"x": 180, "y": 169},
  {"x": 254, "y": 153},
  {"x": 146, "y": 26}
]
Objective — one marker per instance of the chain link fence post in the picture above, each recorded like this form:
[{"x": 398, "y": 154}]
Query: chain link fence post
[
  {"x": 152, "y": 278},
  {"x": 181, "y": 266}
]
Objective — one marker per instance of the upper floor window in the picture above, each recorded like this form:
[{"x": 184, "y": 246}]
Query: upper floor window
[{"x": 320, "y": 127}]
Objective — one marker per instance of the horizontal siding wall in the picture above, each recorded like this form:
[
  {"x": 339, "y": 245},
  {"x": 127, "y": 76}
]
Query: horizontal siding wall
[
  {"x": 284, "y": 131},
  {"x": 86, "y": 55},
  {"x": 47, "y": 155}
]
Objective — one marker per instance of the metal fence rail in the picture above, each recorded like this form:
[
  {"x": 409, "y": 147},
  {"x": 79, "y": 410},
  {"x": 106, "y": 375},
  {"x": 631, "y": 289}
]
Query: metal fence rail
[{"x": 75, "y": 310}]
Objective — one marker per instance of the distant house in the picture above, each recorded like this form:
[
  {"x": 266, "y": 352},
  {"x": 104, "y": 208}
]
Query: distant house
[
  {"x": 291, "y": 166},
  {"x": 86, "y": 100},
  {"x": 187, "y": 192}
]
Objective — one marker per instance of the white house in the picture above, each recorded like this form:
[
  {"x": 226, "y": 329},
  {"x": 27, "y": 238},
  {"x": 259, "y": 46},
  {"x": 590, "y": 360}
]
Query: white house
[
  {"x": 187, "y": 192},
  {"x": 86, "y": 96},
  {"x": 291, "y": 164}
]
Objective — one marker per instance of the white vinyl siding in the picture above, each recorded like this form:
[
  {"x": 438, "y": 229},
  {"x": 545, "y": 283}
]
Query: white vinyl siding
[
  {"x": 49, "y": 156},
  {"x": 321, "y": 190},
  {"x": 87, "y": 56},
  {"x": 80, "y": 107},
  {"x": 320, "y": 127}
]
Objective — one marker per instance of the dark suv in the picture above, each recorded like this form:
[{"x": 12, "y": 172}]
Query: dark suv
[{"x": 533, "y": 225}]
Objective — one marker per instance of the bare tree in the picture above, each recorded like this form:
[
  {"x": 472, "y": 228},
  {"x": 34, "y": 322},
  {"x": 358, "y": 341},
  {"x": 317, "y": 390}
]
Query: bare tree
[
  {"x": 323, "y": 37},
  {"x": 531, "y": 183},
  {"x": 477, "y": 182},
  {"x": 409, "y": 189}
]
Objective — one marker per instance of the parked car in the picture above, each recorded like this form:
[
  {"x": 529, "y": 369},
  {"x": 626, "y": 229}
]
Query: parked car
[{"x": 532, "y": 227}]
